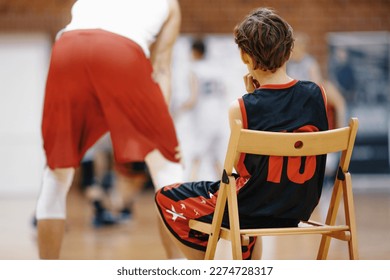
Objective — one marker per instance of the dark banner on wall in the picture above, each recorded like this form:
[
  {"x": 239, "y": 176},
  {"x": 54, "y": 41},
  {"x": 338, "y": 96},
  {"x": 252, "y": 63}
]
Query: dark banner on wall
[{"x": 359, "y": 66}]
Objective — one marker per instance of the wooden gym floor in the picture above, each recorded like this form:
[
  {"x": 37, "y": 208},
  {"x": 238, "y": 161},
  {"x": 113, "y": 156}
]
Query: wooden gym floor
[{"x": 139, "y": 239}]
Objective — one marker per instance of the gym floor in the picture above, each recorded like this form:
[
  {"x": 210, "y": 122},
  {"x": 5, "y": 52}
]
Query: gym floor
[{"x": 138, "y": 239}]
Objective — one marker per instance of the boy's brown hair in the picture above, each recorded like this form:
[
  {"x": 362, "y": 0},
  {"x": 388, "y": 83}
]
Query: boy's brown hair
[{"x": 266, "y": 37}]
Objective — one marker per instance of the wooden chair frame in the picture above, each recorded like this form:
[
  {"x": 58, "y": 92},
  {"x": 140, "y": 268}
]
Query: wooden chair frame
[{"x": 311, "y": 143}]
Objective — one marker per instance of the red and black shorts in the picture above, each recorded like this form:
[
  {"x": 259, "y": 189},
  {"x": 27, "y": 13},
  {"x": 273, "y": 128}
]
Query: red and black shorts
[{"x": 180, "y": 203}]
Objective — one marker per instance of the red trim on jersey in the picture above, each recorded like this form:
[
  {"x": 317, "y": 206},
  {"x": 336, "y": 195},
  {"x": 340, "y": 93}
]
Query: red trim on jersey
[
  {"x": 279, "y": 86},
  {"x": 331, "y": 112},
  {"x": 243, "y": 113},
  {"x": 324, "y": 96},
  {"x": 241, "y": 169},
  {"x": 326, "y": 105},
  {"x": 307, "y": 128}
]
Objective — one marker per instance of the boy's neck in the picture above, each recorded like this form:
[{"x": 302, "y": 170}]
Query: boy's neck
[{"x": 277, "y": 78}]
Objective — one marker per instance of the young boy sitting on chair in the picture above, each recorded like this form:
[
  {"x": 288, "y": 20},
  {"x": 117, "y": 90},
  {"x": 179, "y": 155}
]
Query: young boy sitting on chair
[{"x": 271, "y": 191}]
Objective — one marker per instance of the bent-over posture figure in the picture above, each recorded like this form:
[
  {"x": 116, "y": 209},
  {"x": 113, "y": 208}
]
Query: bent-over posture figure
[{"x": 109, "y": 71}]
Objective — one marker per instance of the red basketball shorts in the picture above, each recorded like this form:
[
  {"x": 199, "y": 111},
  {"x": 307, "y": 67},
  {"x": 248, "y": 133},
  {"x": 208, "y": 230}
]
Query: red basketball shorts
[{"x": 97, "y": 82}]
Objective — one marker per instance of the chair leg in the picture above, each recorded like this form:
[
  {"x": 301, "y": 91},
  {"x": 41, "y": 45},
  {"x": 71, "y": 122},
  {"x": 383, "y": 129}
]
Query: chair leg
[
  {"x": 216, "y": 224},
  {"x": 353, "y": 247},
  {"x": 349, "y": 210},
  {"x": 330, "y": 220},
  {"x": 234, "y": 220}
]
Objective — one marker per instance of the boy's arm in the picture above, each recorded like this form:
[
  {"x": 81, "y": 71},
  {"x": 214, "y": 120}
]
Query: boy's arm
[
  {"x": 234, "y": 113},
  {"x": 161, "y": 51}
]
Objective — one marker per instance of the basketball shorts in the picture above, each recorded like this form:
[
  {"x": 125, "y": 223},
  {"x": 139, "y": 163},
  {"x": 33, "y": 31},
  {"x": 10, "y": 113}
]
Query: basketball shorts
[
  {"x": 99, "y": 81},
  {"x": 179, "y": 203}
]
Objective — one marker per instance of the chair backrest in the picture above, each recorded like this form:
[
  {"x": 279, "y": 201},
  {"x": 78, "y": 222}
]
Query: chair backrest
[{"x": 291, "y": 144}]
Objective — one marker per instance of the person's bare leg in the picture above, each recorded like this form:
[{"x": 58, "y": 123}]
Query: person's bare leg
[
  {"x": 51, "y": 211},
  {"x": 128, "y": 188},
  {"x": 218, "y": 168},
  {"x": 164, "y": 172},
  {"x": 195, "y": 169},
  {"x": 223, "y": 250},
  {"x": 178, "y": 248},
  {"x": 171, "y": 248},
  {"x": 95, "y": 192},
  {"x": 50, "y": 236},
  {"x": 258, "y": 249}
]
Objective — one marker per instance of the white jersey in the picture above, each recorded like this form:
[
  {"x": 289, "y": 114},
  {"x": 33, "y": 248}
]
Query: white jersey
[
  {"x": 209, "y": 79},
  {"x": 210, "y": 122},
  {"x": 139, "y": 21}
]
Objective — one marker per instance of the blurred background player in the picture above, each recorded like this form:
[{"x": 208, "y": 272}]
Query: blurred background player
[
  {"x": 97, "y": 180},
  {"x": 207, "y": 106},
  {"x": 110, "y": 188},
  {"x": 303, "y": 66},
  {"x": 109, "y": 72}
]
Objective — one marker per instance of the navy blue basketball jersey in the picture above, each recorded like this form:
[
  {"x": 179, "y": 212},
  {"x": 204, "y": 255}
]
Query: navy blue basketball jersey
[{"x": 282, "y": 187}]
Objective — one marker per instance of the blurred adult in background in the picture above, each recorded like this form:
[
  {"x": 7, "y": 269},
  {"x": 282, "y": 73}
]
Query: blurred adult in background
[
  {"x": 109, "y": 72},
  {"x": 208, "y": 106},
  {"x": 303, "y": 66},
  {"x": 110, "y": 188},
  {"x": 97, "y": 181},
  {"x": 344, "y": 75}
]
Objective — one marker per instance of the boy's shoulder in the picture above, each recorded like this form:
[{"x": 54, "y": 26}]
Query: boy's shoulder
[{"x": 302, "y": 87}]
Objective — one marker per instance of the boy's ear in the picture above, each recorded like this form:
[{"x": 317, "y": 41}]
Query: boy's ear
[
  {"x": 244, "y": 57},
  {"x": 247, "y": 59}
]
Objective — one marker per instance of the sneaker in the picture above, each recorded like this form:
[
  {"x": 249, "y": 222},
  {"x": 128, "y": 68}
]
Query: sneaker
[
  {"x": 103, "y": 218},
  {"x": 125, "y": 214}
]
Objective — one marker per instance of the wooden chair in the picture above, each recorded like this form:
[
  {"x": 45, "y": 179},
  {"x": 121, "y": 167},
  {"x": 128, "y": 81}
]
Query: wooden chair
[{"x": 310, "y": 143}]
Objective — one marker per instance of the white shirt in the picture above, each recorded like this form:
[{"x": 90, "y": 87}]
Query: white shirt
[{"x": 139, "y": 21}]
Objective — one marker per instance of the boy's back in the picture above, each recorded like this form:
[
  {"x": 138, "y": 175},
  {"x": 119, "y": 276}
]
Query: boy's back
[{"x": 277, "y": 186}]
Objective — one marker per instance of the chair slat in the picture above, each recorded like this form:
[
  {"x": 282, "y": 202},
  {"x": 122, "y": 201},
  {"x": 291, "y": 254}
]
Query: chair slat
[
  {"x": 282, "y": 143},
  {"x": 294, "y": 230}
]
